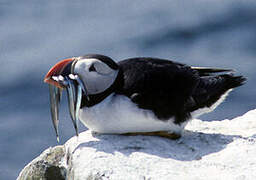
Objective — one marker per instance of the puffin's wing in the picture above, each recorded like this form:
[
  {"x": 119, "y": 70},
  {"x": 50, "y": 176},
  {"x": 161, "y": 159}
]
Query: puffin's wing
[{"x": 163, "y": 86}]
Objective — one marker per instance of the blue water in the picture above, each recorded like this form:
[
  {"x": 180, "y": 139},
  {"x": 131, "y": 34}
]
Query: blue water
[{"x": 34, "y": 35}]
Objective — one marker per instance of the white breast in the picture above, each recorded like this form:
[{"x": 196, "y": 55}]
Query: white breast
[{"x": 117, "y": 114}]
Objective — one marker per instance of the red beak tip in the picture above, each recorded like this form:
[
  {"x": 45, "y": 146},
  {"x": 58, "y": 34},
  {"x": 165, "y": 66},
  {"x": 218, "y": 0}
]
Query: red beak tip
[
  {"x": 56, "y": 70},
  {"x": 46, "y": 80}
]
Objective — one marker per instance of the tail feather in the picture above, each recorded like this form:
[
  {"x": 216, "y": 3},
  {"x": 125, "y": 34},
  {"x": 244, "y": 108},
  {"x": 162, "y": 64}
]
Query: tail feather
[
  {"x": 206, "y": 71},
  {"x": 232, "y": 81},
  {"x": 211, "y": 88}
]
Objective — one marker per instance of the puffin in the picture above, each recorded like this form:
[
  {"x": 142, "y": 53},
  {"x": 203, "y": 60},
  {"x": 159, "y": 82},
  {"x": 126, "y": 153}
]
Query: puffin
[{"x": 136, "y": 96}]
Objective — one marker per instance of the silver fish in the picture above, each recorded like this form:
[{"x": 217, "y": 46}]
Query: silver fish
[
  {"x": 80, "y": 82},
  {"x": 71, "y": 92},
  {"x": 74, "y": 87},
  {"x": 78, "y": 102},
  {"x": 55, "y": 97}
]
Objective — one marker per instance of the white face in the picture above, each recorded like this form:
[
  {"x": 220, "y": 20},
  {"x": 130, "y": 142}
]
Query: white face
[{"x": 96, "y": 75}]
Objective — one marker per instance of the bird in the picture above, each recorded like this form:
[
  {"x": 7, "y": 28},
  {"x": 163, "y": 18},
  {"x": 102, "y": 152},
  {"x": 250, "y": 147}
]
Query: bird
[{"x": 136, "y": 96}]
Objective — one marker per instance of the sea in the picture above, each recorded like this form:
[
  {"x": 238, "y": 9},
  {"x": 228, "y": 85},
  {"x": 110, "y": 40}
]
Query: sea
[{"x": 34, "y": 35}]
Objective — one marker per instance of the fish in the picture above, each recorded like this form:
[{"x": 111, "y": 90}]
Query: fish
[
  {"x": 80, "y": 82},
  {"x": 71, "y": 93},
  {"x": 75, "y": 89},
  {"x": 78, "y": 104},
  {"x": 55, "y": 97}
]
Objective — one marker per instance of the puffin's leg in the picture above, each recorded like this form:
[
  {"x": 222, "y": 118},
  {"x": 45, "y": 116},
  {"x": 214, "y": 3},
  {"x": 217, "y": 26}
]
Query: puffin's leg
[{"x": 165, "y": 134}]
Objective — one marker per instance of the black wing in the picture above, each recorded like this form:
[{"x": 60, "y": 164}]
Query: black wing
[
  {"x": 163, "y": 86},
  {"x": 171, "y": 89}
]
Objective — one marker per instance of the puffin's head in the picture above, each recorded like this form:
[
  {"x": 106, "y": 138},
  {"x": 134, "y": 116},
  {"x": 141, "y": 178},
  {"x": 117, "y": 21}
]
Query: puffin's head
[
  {"x": 88, "y": 75},
  {"x": 97, "y": 72}
]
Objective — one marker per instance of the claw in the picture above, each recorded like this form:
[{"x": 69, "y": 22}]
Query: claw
[
  {"x": 71, "y": 92},
  {"x": 55, "y": 96}
]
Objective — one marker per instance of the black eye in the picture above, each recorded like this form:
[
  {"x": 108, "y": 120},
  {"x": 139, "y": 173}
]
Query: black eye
[{"x": 92, "y": 68}]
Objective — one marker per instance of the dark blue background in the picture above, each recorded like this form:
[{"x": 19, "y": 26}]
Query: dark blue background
[{"x": 34, "y": 35}]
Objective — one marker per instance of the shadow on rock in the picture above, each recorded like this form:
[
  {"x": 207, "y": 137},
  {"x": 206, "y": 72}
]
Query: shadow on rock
[{"x": 191, "y": 146}]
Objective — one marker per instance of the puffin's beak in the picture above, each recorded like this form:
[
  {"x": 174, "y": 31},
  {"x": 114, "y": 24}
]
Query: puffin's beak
[
  {"x": 56, "y": 71},
  {"x": 59, "y": 77}
]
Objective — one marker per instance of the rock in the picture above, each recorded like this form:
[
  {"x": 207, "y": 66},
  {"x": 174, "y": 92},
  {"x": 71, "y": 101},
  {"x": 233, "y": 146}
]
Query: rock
[
  {"x": 207, "y": 150},
  {"x": 46, "y": 167}
]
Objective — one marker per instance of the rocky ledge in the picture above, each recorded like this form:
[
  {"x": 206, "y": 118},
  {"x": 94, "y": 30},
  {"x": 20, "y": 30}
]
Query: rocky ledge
[{"x": 207, "y": 150}]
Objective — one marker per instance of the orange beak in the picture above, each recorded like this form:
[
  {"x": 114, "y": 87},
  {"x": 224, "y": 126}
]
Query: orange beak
[{"x": 57, "y": 70}]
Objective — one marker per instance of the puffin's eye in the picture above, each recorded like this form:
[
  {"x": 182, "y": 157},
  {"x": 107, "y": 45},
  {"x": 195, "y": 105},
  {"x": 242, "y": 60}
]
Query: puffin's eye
[{"x": 92, "y": 68}]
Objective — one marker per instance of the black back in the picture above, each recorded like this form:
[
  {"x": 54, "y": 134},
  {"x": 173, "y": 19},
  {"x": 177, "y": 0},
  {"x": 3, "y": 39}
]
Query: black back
[
  {"x": 163, "y": 86},
  {"x": 172, "y": 89}
]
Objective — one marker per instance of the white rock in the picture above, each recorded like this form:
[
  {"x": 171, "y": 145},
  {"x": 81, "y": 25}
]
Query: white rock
[{"x": 207, "y": 150}]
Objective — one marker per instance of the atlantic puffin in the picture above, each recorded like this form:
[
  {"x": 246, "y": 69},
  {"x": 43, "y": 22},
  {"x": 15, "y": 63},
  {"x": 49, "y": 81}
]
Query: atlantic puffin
[{"x": 136, "y": 96}]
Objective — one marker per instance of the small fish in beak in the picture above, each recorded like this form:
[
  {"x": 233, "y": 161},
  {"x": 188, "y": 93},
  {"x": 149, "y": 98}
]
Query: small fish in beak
[
  {"x": 74, "y": 89},
  {"x": 55, "y": 97},
  {"x": 71, "y": 93},
  {"x": 78, "y": 105},
  {"x": 60, "y": 77}
]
